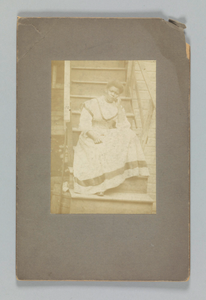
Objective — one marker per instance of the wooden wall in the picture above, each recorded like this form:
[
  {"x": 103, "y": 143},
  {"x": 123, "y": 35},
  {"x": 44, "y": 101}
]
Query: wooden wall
[{"x": 147, "y": 89}]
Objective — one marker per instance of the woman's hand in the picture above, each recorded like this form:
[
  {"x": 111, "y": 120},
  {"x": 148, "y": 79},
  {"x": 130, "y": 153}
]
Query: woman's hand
[{"x": 94, "y": 136}]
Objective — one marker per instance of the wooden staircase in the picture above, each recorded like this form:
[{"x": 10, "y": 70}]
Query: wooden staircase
[{"x": 88, "y": 79}]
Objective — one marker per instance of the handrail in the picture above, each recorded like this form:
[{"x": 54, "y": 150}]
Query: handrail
[
  {"x": 129, "y": 77},
  {"x": 131, "y": 86},
  {"x": 146, "y": 126},
  {"x": 138, "y": 98},
  {"x": 148, "y": 88}
]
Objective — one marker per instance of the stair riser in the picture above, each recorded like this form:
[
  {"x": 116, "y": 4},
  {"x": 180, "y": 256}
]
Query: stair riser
[
  {"x": 132, "y": 185},
  {"x": 76, "y": 104},
  {"x": 98, "y": 63},
  {"x": 98, "y": 75},
  {"x": 86, "y": 206},
  {"x": 75, "y": 124},
  {"x": 88, "y": 89},
  {"x": 79, "y": 206}
]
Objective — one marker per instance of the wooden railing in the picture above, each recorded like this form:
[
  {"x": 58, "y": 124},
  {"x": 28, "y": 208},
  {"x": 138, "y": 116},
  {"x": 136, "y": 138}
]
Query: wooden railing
[{"x": 133, "y": 91}]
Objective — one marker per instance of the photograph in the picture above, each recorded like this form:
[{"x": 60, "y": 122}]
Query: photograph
[
  {"x": 103, "y": 137},
  {"x": 103, "y": 154}
]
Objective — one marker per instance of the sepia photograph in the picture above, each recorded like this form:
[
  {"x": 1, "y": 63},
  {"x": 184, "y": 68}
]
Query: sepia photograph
[{"x": 103, "y": 137}]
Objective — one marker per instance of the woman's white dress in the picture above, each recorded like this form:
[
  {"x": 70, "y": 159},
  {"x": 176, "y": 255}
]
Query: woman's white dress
[{"x": 99, "y": 167}]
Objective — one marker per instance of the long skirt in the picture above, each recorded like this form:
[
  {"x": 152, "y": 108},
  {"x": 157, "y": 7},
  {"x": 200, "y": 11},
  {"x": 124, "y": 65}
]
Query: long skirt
[{"x": 99, "y": 167}]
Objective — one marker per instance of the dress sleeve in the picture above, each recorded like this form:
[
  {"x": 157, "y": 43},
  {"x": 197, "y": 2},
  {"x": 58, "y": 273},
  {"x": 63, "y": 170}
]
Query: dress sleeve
[
  {"x": 85, "y": 123},
  {"x": 124, "y": 123}
]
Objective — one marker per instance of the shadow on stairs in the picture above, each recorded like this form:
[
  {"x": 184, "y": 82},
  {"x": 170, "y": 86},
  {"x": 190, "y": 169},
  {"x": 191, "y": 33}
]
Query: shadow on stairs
[
  {"x": 111, "y": 203},
  {"x": 120, "y": 200}
]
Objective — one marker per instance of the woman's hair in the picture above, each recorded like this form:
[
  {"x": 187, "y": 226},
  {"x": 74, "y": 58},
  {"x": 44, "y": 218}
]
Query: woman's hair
[{"x": 117, "y": 84}]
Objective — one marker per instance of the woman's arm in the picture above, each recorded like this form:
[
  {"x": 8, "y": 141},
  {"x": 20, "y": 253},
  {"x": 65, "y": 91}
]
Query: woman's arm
[
  {"x": 85, "y": 125},
  {"x": 85, "y": 122}
]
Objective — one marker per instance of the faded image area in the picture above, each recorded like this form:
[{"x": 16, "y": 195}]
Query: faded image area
[{"x": 103, "y": 137}]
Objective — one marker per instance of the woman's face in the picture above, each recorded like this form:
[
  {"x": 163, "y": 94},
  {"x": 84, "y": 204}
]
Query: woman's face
[{"x": 112, "y": 94}]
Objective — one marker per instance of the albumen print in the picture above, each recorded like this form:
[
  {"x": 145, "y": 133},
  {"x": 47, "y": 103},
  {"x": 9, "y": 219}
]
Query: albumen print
[{"x": 103, "y": 137}]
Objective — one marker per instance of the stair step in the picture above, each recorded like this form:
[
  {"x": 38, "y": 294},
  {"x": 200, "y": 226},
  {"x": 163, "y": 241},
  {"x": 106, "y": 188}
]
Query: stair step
[
  {"x": 103, "y": 74},
  {"x": 128, "y": 197},
  {"x": 76, "y": 118},
  {"x": 77, "y": 131},
  {"x": 110, "y": 203},
  {"x": 132, "y": 185},
  {"x": 94, "y": 96},
  {"x": 92, "y": 82},
  {"x": 58, "y": 127},
  {"x": 76, "y": 102},
  {"x": 78, "y": 112},
  {"x": 96, "y": 88}
]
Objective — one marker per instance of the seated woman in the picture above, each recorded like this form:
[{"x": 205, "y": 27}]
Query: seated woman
[{"x": 108, "y": 151}]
